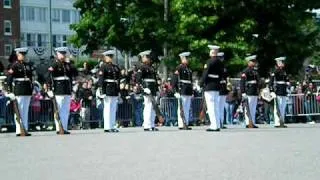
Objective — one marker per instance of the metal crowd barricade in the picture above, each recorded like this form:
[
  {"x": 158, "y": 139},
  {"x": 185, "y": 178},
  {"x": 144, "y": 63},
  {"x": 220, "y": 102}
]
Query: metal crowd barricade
[
  {"x": 301, "y": 105},
  {"x": 125, "y": 112},
  {"x": 169, "y": 109},
  {"x": 40, "y": 113},
  {"x": 6, "y": 113}
]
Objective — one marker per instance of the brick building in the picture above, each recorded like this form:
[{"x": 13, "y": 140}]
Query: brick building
[{"x": 9, "y": 27}]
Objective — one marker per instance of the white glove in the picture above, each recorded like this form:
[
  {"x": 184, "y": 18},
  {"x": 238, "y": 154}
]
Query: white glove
[
  {"x": 273, "y": 95},
  {"x": 147, "y": 91},
  {"x": 102, "y": 96},
  {"x": 50, "y": 94},
  {"x": 11, "y": 96},
  {"x": 177, "y": 95},
  {"x": 99, "y": 95},
  {"x": 244, "y": 96}
]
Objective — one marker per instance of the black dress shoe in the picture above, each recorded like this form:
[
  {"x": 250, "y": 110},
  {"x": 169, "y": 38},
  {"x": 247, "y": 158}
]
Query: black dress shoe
[
  {"x": 155, "y": 129},
  {"x": 28, "y": 134},
  {"x": 185, "y": 128},
  {"x": 115, "y": 130},
  {"x": 254, "y": 126},
  {"x": 66, "y": 132},
  {"x": 223, "y": 127},
  {"x": 213, "y": 130},
  {"x": 108, "y": 131},
  {"x": 281, "y": 126},
  {"x": 149, "y": 129}
]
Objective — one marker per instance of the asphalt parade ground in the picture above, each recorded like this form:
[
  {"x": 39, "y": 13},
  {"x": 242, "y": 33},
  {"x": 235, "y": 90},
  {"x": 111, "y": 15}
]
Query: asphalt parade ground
[{"x": 235, "y": 153}]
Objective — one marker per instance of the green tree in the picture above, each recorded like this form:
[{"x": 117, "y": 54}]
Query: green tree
[
  {"x": 285, "y": 28},
  {"x": 127, "y": 25}
]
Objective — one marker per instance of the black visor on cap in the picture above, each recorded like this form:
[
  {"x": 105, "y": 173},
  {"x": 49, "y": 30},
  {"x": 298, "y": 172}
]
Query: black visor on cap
[{"x": 62, "y": 52}]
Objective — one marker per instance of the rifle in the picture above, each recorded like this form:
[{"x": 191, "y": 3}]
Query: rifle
[
  {"x": 156, "y": 109},
  {"x": 23, "y": 131},
  {"x": 245, "y": 103},
  {"x": 182, "y": 113},
  {"x": 276, "y": 108},
  {"x": 203, "y": 111},
  {"x": 56, "y": 115}
]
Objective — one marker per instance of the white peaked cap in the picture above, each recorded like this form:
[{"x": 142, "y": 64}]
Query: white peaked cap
[
  {"x": 144, "y": 53},
  {"x": 278, "y": 59},
  {"x": 213, "y": 47},
  {"x": 220, "y": 54},
  {"x": 109, "y": 52},
  {"x": 252, "y": 57},
  {"x": 61, "y": 49},
  {"x": 185, "y": 54},
  {"x": 21, "y": 50}
]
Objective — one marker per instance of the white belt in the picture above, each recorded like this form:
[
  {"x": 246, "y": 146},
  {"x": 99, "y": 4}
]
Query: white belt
[
  {"x": 60, "y": 78},
  {"x": 185, "y": 81},
  {"x": 223, "y": 82},
  {"x": 110, "y": 80},
  {"x": 280, "y": 82},
  {"x": 252, "y": 82},
  {"x": 213, "y": 76},
  {"x": 21, "y": 79},
  {"x": 149, "y": 80}
]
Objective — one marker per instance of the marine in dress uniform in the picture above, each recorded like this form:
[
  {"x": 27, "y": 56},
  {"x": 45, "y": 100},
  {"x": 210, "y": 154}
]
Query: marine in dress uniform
[
  {"x": 60, "y": 84},
  {"x": 211, "y": 80},
  {"x": 278, "y": 87},
  {"x": 182, "y": 84},
  {"x": 223, "y": 91},
  {"x": 147, "y": 78},
  {"x": 249, "y": 89},
  {"x": 109, "y": 77},
  {"x": 20, "y": 86}
]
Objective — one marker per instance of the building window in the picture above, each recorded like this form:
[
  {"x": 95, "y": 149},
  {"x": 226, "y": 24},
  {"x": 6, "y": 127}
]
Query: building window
[
  {"x": 7, "y": 4},
  {"x": 41, "y": 14},
  {"x": 64, "y": 40},
  {"x": 31, "y": 39},
  {"x": 65, "y": 16},
  {"x": 76, "y": 16},
  {"x": 22, "y": 10},
  {"x": 42, "y": 40},
  {"x": 7, "y": 49},
  {"x": 56, "y": 15},
  {"x": 23, "y": 40},
  {"x": 30, "y": 14},
  {"x": 7, "y": 28}
]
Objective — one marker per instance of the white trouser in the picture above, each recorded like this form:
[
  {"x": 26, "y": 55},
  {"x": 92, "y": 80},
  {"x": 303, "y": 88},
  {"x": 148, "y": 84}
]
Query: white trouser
[
  {"x": 212, "y": 101},
  {"x": 63, "y": 102},
  {"x": 110, "y": 112},
  {"x": 149, "y": 114},
  {"x": 252, "y": 102},
  {"x": 186, "y": 101},
  {"x": 222, "y": 101},
  {"x": 281, "y": 100},
  {"x": 23, "y": 106}
]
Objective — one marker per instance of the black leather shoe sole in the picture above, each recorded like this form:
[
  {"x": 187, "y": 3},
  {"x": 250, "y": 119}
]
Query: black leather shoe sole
[
  {"x": 282, "y": 126},
  {"x": 247, "y": 126},
  {"x": 19, "y": 135},
  {"x": 213, "y": 130}
]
